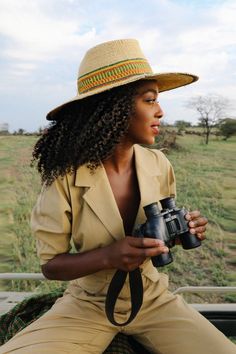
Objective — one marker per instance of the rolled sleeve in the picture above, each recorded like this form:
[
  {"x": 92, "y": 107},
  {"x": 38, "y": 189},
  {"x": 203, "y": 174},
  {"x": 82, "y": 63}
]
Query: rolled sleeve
[{"x": 51, "y": 221}]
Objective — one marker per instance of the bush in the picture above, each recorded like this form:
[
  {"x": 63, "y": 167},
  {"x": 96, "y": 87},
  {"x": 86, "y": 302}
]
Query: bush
[
  {"x": 228, "y": 128},
  {"x": 166, "y": 140}
]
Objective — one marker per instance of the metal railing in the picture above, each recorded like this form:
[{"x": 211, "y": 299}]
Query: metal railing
[
  {"x": 181, "y": 290},
  {"x": 205, "y": 289},
  {"x": 25, "y": 276}
]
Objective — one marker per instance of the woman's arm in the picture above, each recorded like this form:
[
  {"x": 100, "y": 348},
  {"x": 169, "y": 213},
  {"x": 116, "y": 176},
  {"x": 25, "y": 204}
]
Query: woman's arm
[{"x": 126, "y": 254}]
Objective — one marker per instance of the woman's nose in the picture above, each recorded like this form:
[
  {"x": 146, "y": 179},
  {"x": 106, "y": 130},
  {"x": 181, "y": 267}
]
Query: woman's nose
[{"x": 159, "y": 112}]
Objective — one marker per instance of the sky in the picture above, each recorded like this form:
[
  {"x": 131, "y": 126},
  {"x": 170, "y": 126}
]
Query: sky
[{"x": 43, "y": 41}]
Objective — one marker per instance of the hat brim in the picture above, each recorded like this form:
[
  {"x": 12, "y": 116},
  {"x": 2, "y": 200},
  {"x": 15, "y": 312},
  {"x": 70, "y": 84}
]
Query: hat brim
[{"x": 165, "y": 82}]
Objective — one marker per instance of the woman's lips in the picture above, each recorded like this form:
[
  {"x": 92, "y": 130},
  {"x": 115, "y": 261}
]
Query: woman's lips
[{"x": 155, "y": 129}]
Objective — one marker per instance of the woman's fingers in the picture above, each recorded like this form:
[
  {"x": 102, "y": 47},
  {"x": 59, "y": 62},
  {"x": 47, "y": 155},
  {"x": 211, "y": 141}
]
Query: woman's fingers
[
  {"x": 198, "y": 230},
  {"x": 197, "y": 224},
  {"x": 201, "y": 236},
  {"x": 129, "y": 253},
  {"x": 144, "y": 242},
  {"x": 191, "y": 215},
  {"x": 147, "y": 247}
]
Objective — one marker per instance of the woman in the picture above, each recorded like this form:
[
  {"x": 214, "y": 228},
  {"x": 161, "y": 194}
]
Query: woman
[{"x": 97, "y": 179}]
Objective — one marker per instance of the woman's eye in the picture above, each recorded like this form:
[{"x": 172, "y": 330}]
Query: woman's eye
[{"x": 153, "y": 100}]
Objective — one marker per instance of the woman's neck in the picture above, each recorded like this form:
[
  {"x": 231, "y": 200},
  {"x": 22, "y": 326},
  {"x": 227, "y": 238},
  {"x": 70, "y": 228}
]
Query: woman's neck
[{"x": 121, "y": 161}]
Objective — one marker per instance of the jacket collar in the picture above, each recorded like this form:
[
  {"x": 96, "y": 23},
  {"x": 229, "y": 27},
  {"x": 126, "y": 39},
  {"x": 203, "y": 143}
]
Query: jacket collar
[{"x": 100, "y": 198}]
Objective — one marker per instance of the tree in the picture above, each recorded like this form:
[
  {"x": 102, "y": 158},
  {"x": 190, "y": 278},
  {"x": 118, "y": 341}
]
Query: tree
[
  {"x": 20, "y": 131},
  {"x": 210, "y": 108},
  {"x": 227, "y": 127},
  {"x": 181, "y": 125}
]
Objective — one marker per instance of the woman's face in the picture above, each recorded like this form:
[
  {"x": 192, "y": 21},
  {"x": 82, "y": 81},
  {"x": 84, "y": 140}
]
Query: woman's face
[{"x": 145, "y": 121}]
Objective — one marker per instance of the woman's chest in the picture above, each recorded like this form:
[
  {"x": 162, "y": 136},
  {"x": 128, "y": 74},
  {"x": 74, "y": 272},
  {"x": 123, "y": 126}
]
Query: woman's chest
[{"x": 127, "y": 196}]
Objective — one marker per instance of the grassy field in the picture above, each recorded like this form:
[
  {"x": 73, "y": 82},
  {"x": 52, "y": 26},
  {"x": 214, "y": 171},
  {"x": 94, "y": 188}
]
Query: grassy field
[
  {"x": 19, "y": 188},
  {"x": 205, "y": 181}
]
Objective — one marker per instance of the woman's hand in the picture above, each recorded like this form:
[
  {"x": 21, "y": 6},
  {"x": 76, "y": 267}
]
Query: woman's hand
[
  {"x": 197, "y": 223},
  {"x": 130, "y": 252}
]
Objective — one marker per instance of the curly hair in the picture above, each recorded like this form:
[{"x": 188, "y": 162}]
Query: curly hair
[{"x": 85, "y": 132}]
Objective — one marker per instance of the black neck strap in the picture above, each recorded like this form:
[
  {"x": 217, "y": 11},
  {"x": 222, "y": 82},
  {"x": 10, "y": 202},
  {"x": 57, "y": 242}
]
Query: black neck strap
[{"x": 115, "y": 287}]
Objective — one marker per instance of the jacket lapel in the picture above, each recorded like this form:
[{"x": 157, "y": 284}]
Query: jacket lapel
[
  {"x": 148, "y": 172},
  {"x": 100, "y": 198}
]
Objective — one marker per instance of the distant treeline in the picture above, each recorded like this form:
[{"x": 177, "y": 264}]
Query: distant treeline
[{"x": 225, "y": 128}]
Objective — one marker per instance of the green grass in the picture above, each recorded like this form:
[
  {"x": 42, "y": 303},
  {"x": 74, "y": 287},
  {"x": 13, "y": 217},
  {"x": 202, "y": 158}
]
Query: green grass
[
  {"x": 20, "y": 186},
  {"x": 205, "y": 180}
]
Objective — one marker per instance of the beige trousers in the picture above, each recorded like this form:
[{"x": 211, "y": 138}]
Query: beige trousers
[{"x": 164, "y": 325}]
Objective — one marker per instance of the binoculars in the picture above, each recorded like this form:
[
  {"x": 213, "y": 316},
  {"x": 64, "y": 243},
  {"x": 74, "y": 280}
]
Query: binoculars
[{"x": 166, "y": 225}]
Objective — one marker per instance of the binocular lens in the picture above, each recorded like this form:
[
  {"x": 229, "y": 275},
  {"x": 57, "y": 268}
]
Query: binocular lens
[{"x": 168, "y": 203}]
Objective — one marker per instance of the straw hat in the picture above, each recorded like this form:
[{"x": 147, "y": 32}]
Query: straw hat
[{"x": 117, "y": 63}]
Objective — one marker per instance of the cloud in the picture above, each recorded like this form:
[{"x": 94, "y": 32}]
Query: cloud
[
  {"x": 34, "y": 35},
  {"x": 42, "y": 43}
]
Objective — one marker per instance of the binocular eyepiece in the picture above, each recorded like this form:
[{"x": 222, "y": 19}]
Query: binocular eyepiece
[{"x": 166, "y": 225}]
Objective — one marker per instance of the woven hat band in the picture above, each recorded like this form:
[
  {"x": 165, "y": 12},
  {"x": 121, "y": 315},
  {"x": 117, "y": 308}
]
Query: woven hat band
[{"x": 113, "y": 73}]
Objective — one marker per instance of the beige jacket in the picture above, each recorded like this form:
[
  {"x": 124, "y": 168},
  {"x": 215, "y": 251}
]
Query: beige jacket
[{"x": 81, "y": 208}]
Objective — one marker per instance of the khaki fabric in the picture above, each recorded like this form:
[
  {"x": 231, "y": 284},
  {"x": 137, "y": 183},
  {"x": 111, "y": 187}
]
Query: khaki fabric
[
  {"x": 164, "y": 325},
  {"x": 81, "y": 208}
]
